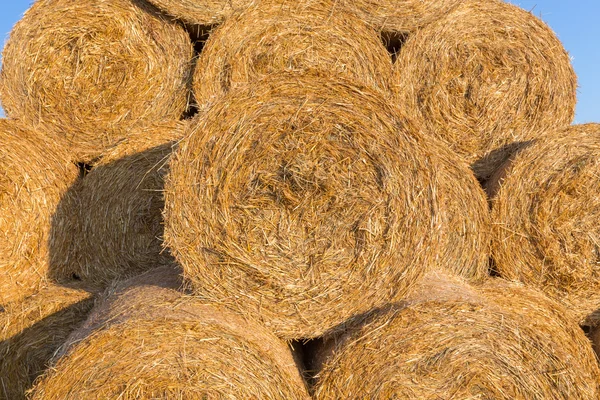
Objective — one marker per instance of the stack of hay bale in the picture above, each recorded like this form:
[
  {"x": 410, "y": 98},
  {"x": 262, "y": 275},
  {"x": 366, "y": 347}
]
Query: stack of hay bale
[{"x": 285, "y": 199}]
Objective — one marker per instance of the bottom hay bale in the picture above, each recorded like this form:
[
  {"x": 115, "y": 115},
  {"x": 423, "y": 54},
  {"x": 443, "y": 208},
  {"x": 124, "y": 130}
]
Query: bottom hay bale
[
  {"x": 505, "y": 342},
  {"x": 32, "y": 330},
  {"x": 148, "y": 342}
]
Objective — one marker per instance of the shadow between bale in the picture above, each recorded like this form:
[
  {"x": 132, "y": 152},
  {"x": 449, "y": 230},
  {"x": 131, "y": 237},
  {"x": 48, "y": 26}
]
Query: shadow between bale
[
  {"x": 108, "y": 225},
  {"x": 32, "y": 330}
]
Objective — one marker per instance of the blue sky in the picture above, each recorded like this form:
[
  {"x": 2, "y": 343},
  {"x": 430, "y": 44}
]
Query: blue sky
[{"x": 575, "y": 22}]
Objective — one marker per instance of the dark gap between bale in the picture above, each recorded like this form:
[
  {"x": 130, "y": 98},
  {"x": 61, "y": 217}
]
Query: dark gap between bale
[
  {"x": 545, "y": 230},
  {"x": 35, "y": 174},
  {"x": 273, "y": 37},
  {"x": 84, "y": 169},
  {"x": 306, "y": 199},
  {"x": 32, "y": 330},
  {"x": 144, "y": 341},
  {"x": 199, "y": 34},
  {"x": 109, "y": 225},
  {"x": 501, "y": 341},
  {"x": 486, "y": 75},
  {"x": 393, "y": 42},
  {"x": 91, "y": 70}
]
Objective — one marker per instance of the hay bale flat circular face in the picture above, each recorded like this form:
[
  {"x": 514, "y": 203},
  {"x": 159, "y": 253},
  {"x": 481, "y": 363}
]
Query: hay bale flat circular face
[
  {"x": 292, "y": 36},
  {"x": 34, "y": 175},
  {"x": 157, "y": 343},
  {"x": 400, "y": 16},
  {"x": 91, "y": 69},
  {"x": 307, "y": 199},
  {"x": 545, "y": 231},
  {"x": 507, "y": 344},
  {"x": 110, "y": 225},
  {"x": 487, "y": 75},
  {"x": 32, "y": 330}
]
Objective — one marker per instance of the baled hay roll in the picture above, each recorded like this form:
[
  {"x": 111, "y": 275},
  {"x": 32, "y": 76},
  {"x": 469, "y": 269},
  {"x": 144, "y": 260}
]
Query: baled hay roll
[
  {"x": 487, "y": 75},
  {"x": 34, "y": 175},
  {"x": 151, "y": 342},
  {"x": 507, "y": 342},
  {"x": 400, "y": 17},
  {"x": 546, "y": 231},
  {"x": 32, "y": 330},
  {"x": 306, "y": 199},
  {"x": 200, "y": 12},
  {"x": 289, "y": 36},
  {"x": 110, "y": 224},
  {"x": 89, "y": 70}
]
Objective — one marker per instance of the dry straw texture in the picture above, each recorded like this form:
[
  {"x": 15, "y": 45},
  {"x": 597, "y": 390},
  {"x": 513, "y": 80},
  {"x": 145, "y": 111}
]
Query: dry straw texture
[
  {"x": 506, "y": 342},
  {"x": 487, "y": 75},
  {"x": 545, "y": 230},
  {"x": 151, "y": 342},
  {"x": 289, "y": 36},
  {"x": 200, "y": 12},
  {"x": 400, "y": 16},
  {"x": 90, "y": 70},
  {"x": 32, "y": 330},
  {"x": 34, "y": 175},
  {"x": 110, "y": 225},
  {"x": 307, "y": 199}
]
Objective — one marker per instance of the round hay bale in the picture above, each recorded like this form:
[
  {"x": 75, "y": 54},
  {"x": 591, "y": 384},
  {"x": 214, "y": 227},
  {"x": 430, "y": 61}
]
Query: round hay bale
[
  {"x": 487, "y": 75},
  {"x": 400, "y": 17},
  {"x": 32, "y": 330},
  {"x": 545, "y": 231},
  {"x": 110, "y": 224},
  {"x": 200, "y": 12},
  {"x": 306, "y": 199},
  {"x": 90, "y": 70},
  {"x": 273, "y": 37},
  {"x": 34, "y": 175},
  {"x": 509, "y": 342},
  {"x": 151, "y": 342}
]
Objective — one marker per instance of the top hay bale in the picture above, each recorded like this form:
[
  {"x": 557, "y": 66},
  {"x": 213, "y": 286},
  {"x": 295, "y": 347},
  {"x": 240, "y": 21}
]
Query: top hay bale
[
  {"x": 306, "y": 199},
  {"x": 487, "y": 75},
  {"x": 272, "y": 37},
  {"x": 109, "y": 225},
  {"x": 505, "y": 342},
  {"x": 34, "y": 175},
  {"x": 89, "y": 70},
  {"x": 546, "y": 231},
  {"x": 200, "y": 12},
  {"x": 400, "y": 17},
  {"x": 147, "y": 342}
]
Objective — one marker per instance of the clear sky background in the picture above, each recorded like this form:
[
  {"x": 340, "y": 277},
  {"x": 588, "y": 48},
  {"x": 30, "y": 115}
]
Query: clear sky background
[{"x": 575, "y": 22}]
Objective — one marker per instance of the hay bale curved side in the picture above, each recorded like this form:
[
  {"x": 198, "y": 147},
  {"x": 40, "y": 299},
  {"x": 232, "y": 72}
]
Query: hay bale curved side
[
  {"x": 545, "y": 231},
  {"x": 306, "y": 199},
  {"x": 110, "y": 226},
  {"x": 506, "y": 343},
  {"x": 31, "y": 331},
  {"x": 157, "y": 343},
  {"x": 200, "y": 12},
  {"x": 274, "y": 37},
  {"x": 34, "y": 175},
  {"x": 89, "y": 70},
  {"x": 486, "y": 75},
  {"x": 400, "y": 16}
]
